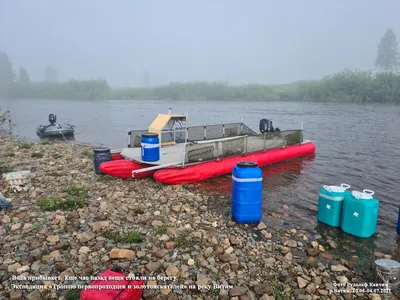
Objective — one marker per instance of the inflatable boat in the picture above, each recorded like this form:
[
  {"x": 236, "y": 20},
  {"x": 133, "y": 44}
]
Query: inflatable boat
[
  {"x": 203, "y": 171},
  {"x": 197, "y": 153},
  {"x": 55, "y": 130}
]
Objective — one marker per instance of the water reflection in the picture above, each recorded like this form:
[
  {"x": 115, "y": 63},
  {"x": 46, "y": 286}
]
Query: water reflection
[
  {"x": 396, "y": 253},
  {"x": 275, "y": 176}
]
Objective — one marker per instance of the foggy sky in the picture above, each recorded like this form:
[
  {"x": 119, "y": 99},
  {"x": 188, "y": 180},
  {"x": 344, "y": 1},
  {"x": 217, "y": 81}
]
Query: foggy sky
[{"x": 252, "y": 41}]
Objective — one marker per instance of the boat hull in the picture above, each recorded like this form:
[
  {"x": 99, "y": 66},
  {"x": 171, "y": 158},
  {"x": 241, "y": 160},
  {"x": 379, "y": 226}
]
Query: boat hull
[
  {"x": 56, "y": 134},
  {"x": 54, "y": 131},
  {"x": 203, "y": 171},
  {"x": 122, "y": 168},
  {"x": 116, "y": 156}
]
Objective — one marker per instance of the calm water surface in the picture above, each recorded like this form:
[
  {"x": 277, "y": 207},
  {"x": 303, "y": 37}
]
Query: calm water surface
[{"x": 356, "y": 144}]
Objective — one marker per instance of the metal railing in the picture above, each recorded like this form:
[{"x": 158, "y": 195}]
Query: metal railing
[
  {"x": 215, "y": 149},
  {"x": 134, "y": 136},
  {"x": 217, "y": 131},
  {"x": 194, "y": 133}
]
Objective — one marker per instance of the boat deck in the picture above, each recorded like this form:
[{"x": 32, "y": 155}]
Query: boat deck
[
  {"x": 169, "y": 155},
  {"x": 173, "y": 155}
]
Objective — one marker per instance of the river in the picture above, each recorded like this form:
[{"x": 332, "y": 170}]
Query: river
[{"x": 356, "y": 144}]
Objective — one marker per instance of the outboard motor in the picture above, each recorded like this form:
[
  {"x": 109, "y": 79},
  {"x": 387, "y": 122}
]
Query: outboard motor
[
  {"x": 271, "y": 128},
  {"x": 265, "y": 125},
  {"x": 52, "y": 119}
]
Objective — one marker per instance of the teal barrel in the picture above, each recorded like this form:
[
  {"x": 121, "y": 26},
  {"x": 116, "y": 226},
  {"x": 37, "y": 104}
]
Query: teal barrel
[
  {"x": 101, "y": 155},
  {"x": 330, "y": 204},
  {"x": 246, "y": 192},
  {"x": 150, "y": 147},
  {"x": 360, "y": 213}
]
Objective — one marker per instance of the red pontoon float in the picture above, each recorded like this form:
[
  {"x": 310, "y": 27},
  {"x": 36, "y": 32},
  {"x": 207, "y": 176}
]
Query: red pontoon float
[
  {"x": 116, "y": 156},
  {"x": 203, "y": 171},
  {"x": 122, "y": 168},
  {"x": 197, "y": 153}
]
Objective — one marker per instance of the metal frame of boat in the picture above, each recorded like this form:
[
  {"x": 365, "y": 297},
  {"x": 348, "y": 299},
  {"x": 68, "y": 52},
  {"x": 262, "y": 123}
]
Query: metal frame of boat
[{"x": 202, "y": 143}]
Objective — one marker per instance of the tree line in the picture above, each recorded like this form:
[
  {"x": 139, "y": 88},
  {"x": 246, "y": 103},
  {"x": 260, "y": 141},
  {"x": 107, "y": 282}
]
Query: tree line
[{"x": 346, "y": 86}]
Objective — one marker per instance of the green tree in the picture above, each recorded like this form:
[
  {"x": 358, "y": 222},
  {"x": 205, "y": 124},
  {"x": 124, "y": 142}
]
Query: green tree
[
  {"x": 388, "y": 54},
  {"x": 7, "y": 75},
  {"x": 23, "y": 76},
  {"x": 50, "y": 74}
]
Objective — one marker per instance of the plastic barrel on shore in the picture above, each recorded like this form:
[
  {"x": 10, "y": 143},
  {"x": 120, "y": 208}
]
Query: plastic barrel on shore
[
  {"x": 246, "y": 192},
  {"x": 330, "y": 204},
  {"x": 101, "y": 155},
  {"x": 150, "y": 147},
  {"x": 360, "y": 213}
]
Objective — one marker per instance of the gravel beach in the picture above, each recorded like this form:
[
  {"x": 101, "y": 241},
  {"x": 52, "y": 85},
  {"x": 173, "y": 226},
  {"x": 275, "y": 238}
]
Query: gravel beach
[{"x": 71, "y": 225}]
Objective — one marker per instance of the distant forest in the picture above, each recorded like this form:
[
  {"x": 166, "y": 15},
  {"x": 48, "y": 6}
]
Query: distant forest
[{"x": 346, "y": 86}]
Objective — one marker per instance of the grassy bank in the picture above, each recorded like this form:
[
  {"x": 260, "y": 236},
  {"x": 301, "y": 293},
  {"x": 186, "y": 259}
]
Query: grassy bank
[{"x": 347, "y": 86}]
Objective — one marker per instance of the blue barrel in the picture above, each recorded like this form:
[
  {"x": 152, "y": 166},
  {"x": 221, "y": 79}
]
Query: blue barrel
[
  {"x": 150, "y": 147},
  {"x": 398, "y": 223},
  {"x": 330, "y": 204},
  {"x": 360, "y": 214},
  {"x": 101, "y": 155},
  {"x": 246, "y": 192}
]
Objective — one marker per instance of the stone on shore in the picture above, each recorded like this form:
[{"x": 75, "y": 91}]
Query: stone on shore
[
  {"x": 53, "y": 238},
  {"x": 86, "y": 236},
  {"x": 338, "y": 268},
  {"x": 261, "y": 226},
  {"x": 122, "y": 253}
]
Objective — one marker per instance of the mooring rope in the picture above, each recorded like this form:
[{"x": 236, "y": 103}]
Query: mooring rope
[{"x": 60, "y": 132}]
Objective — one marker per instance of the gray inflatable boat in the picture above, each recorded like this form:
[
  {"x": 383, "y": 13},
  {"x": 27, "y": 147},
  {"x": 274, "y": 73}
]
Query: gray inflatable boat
[{"x": 55, "y": 130}]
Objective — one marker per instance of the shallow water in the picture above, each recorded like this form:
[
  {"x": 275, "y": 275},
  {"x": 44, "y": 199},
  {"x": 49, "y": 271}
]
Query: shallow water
[{"x": 356, "y": 144}]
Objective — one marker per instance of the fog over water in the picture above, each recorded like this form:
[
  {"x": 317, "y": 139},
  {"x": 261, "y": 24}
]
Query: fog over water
[{"x": 255, "y": 41}]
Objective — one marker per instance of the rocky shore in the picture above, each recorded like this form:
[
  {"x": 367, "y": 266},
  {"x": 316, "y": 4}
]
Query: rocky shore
[{"x": 72, "y": 223}]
